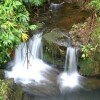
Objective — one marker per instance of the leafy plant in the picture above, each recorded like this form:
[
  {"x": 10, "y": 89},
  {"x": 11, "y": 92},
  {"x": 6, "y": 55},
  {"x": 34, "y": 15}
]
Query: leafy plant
[
  {"x": 1, "y": 98},
  {"x": 87, "y": 50},
  {"x": 14, "y": 26},
  {"x": 96, "y": 40},
  {"x": 95, "y": 4}
]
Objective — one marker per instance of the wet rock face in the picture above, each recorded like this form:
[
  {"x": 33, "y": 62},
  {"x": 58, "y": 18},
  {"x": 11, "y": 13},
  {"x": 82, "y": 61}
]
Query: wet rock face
[
  {"x": 56, "y": 36},
  {"x": 54, "y": 46}
]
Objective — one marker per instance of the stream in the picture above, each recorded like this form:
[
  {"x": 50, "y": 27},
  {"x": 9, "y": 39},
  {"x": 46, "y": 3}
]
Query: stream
[{"x": 63, "y": 17}]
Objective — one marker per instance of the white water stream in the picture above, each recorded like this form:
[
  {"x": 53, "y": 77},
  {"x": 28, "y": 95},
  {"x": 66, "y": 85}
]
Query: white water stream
[
  {"x": 29, "y": 66},
  {"x": 70, "y": 76}
]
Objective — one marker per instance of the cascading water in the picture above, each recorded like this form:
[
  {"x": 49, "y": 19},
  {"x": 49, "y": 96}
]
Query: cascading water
[
  {"x": 28, "y": 65},
  {"x": 71, "y": 60},
  {"x": 70, "y": 76},
  {"x": 36, "y": 46},
  {"x": 55, "y": 6}
]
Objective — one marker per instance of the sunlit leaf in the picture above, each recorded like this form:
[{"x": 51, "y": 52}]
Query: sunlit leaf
[{"x": 24, "y": 37}]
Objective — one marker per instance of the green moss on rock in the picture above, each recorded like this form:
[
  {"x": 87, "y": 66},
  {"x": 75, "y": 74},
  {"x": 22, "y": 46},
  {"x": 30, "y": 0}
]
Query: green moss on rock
[
  {"x": 9, "y": 90},
  {"x": 86, "y": 67}
]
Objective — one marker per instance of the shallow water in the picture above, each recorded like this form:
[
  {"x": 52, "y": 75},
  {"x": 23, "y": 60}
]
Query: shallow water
[{"x": 79, "y": 94}]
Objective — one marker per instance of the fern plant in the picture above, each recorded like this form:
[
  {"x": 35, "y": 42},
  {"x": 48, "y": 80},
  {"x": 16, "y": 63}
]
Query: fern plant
[{"x": 14, "y": 26}]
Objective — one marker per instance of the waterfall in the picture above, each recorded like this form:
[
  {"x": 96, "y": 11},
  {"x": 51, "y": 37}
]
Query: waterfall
[
  {"x": 70, "y": 76},
  {"x": 28, "y": 64},
  {"x": 31, "y": 49},
  {"x": 55, "y": 6},
  {"x": 71, "y": 60},
  {"x": 37, "y": 46}
]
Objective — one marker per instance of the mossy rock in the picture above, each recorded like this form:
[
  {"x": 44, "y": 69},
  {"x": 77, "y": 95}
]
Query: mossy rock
[
  {"x": 56, "y": 36},
  {"x": 9, "y": 90},
  {"x": 54, "y": 46},
  {"x": 86, "y": 67}
]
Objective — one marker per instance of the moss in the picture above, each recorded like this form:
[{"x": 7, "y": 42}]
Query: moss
[
  {"x": 3, "y": 90},
  {"x": 86, "y": 66},
  {"x": 9, "y": 90},
  {"x": 53, "y": 35}
]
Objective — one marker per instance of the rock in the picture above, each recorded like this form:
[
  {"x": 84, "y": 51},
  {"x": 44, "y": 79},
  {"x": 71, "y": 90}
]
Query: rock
[
  {"x": 9, "y": 90},
  {"x": 56, "y": 36},
  {"x": 55, "y": 42}
]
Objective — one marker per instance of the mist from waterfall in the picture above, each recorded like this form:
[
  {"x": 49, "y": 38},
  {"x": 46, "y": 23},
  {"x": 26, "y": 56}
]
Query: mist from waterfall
[
  {"x": 28, "y": 65},
  {"x": 70, "y": 76}
]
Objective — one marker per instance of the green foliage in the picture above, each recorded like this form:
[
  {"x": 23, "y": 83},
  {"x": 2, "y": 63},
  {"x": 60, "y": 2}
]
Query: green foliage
[
  {"x": 96, "y": 40},
  {"x": 95, "y": 4},
  {"x": 3, "y": 90},
  {"x": 87, "y": 50},
  {"x": 34, "y": 2},
  {"x": 76, "y": 27},
  {"x": 1, "y": 98},
  {"x": 96, "y": 36},
  {"x": 9, "y": 90},
  {"x": 14, "y": 22},
  {"x": 86, "y": 66},
  {"x": 33, "y": 27},
  {"x": 91, "y": 54}
]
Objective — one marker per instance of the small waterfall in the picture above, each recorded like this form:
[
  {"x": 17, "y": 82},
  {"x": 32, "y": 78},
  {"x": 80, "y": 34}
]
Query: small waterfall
[
  {"x": 37, "y": 46},
  {"x": 71, "y": 60},
  {"x": 33, "y": 48},
  {"x": 70, "y": 76},
  {"x": 55, "y": 6},
  {"x": 28, "y": 65}
]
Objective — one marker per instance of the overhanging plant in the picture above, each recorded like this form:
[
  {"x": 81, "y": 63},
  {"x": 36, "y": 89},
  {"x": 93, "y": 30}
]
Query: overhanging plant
[{"x": 14, "y": 26}]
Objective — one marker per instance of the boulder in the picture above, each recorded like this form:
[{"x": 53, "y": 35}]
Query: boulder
[{"x": 56, "y": 36}]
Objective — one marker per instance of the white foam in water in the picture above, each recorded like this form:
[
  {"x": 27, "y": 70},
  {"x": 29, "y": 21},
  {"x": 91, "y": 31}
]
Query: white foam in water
[
  {"x": 68, "y": 80},
  {"x": 34, "y": 72},
  {"x": 31, "y": 69}
]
